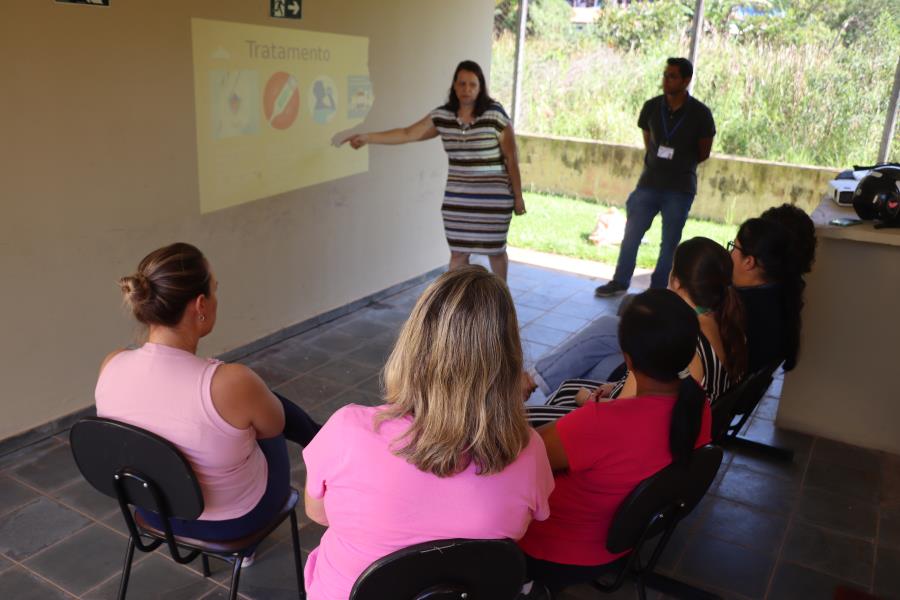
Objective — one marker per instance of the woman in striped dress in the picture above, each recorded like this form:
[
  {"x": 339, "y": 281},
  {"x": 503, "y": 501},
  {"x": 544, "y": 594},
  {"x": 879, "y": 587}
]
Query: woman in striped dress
[{"x": 484, "y": 187}]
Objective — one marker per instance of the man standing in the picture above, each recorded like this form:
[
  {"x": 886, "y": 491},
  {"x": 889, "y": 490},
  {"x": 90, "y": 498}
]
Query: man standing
[{"x": 678, "y": 134}]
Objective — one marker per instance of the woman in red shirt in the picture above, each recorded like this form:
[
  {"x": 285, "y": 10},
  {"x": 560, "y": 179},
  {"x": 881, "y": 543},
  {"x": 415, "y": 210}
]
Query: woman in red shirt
[{"x": 602, "y": 450}]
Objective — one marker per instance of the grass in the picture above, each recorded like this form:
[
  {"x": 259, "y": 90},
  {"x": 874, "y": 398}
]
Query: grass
[{"x": 561, "y": 225}]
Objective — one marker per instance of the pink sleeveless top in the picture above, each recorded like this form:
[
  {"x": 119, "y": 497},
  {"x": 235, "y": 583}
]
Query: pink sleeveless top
[{"x": 166, "y": 391}]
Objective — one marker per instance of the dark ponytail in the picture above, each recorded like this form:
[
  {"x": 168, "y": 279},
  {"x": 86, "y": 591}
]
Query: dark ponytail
[
  {"x": 687, "y": 416},
  {"x": 658, "y": 331},
  {"x": 770, "y": 243},
  {"x": 704, "y": 268}
]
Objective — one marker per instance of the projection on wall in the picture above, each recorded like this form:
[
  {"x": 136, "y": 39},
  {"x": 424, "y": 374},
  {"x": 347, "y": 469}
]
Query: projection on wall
[{"x": 268, "y": 102}]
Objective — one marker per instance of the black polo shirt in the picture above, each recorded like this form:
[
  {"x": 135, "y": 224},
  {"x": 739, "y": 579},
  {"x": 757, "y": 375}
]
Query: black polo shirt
[{"x": 686, "y": 126}]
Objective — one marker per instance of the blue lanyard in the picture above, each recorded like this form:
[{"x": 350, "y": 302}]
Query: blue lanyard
[{"x": 662, "y": 112}]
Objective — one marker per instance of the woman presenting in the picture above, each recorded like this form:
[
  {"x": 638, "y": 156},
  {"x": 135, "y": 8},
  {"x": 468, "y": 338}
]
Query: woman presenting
[{"x": 483, "y": 183}]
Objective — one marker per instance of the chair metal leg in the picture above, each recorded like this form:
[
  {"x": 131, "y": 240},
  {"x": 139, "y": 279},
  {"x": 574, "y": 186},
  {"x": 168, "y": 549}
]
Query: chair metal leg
[
  {"x": 126, "y": 568},
  {"x": 206, "y": 571},
  {"x": 641, "y": 588},
  {"x": 298, "y": 559},
  {"x": 235, "y": 578}
]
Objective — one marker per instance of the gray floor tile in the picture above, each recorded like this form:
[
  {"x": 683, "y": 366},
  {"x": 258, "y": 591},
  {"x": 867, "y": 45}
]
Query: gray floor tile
[
  {"x": 848, "y": 481},
  {"x": 527, "y": 314},
  {"x": 887, "y": 573},
  {"x": 272, "y": 577},
  {"x": 767, "y": 408},
  {"x": 764, "y": 431},
  {"x": 84, "y": 498},
  {"x": 533, "y": 351},
  {"x": 13, "y": 495},
  {"x": 563, "y": 322},
  {"x": 584, "y": 310},
  {"x": 793, "y": 582},
  {"x": 845, "y": 455},
  {"x": 372, "y": 386},
  {"x": 27, "y": 530},
  {"x": 28, "y": 454},
  {"x": 308, "y": 390},
  {"x": 374, "y": 353},
  {"x": 156, "y": 578},
  {"x": 726, "y": 566},
  {"x": 336, "y": 342},
  {"x": 890, "y": 479},
  {"x": 841, "y": 556},
  {"x": 844, "y": 514},
  {"x": 271, "y": 372},
  {"x": 889, "y": 527},
  {"x": 538, "y": 300},
  {"x": 19, "y": 584},
  {"x": 310, "y": 535},
  {"x": 364, "y": 328},
  {"x": 741, "y": 525},
  {"x": 759, "y": 461},
  {"x": 345, "y": 371},
  {"x": 543, "y": 335},
  {"x": 81, "y": 561},
  {"x": 765, "y": 492},
  {"x": 51, "y": 471}
]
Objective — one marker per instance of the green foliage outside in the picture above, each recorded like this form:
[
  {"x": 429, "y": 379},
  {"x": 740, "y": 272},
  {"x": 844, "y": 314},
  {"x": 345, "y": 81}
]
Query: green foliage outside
[
  {"x": 560, "y": 225},
  {"x": 799, "y": 81}
]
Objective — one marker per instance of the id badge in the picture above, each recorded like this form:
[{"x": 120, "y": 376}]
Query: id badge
[{"x": 665, "y": 152}]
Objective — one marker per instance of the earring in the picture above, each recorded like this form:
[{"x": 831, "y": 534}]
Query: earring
[{"x": 202, "y": 317}]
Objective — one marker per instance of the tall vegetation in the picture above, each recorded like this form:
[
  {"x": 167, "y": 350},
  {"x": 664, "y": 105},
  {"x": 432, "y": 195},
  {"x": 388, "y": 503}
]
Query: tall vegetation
[{"x": 798, "y": 81}]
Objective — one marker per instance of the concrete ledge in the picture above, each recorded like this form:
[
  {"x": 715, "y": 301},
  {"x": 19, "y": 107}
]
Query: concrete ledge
[{"x": 729, "y": 189}]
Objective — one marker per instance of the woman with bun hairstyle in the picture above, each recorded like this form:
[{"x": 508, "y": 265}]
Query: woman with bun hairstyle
[
  {"x": 222, "y": 417},
  {"x": 601, "y": 451}
]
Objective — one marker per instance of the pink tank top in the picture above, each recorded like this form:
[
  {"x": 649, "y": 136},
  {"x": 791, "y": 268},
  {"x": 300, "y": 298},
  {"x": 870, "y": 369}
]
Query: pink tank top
[{"x": 166, "y": 391}]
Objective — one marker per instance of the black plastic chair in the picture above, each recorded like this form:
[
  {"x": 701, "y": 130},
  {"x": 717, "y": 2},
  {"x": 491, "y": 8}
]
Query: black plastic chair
[
  {"x": 141, "y": 469},
  {"x": 456, "y": 569},
  {"x": 733, "y": 408},
  {"x": 652, "y": 509}
]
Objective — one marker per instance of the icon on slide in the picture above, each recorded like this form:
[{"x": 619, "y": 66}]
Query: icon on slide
[
  {"x": 359, "y": 92},
  {"x": 281, "y": 100},
  {"x": 321, "y": 99},
  {"x": 235, "y": 103}
]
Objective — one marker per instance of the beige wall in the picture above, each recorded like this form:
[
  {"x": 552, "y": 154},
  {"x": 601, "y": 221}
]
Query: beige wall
[
  {"x": 98, "y": 166},
  {"x": 729, "y": 189}
]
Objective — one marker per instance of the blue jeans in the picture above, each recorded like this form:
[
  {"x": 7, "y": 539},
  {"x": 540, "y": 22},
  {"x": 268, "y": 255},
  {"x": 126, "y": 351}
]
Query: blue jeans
[
  {"x": 592, "y": 353},
  {"x": 641, "y": 208}
]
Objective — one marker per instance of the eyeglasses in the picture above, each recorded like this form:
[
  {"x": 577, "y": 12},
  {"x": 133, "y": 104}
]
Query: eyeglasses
[{"x": 732, "y": 246}]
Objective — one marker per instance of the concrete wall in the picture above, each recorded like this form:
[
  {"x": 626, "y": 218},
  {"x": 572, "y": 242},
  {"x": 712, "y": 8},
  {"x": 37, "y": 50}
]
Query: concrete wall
[
  {"x": 98, "y": 167},
  {"x": 729, "y": 189}
]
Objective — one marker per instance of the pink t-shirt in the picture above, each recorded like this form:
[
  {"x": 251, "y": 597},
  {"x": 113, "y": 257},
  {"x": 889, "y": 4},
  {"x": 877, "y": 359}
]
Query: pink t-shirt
[
  {"x": 611, "y": 447},
  {"x": 166, "y": 391},
  {"x": 377, "y": 502}
]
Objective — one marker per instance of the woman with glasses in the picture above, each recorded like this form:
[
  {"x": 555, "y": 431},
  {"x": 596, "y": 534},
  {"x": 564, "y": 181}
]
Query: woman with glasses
[{"x": 770, "y": 255}]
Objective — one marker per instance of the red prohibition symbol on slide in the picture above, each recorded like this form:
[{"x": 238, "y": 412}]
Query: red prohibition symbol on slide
[{"x": 281, "y": 100}]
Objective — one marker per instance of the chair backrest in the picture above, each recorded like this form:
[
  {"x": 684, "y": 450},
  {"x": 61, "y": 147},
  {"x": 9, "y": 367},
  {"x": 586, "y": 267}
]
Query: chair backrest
[
  {"x": 740, "y": 400},
  {"x": 104, "y": 449},
  {"x": 672, "y": 493},
  {"x": 445, "y": 570}
]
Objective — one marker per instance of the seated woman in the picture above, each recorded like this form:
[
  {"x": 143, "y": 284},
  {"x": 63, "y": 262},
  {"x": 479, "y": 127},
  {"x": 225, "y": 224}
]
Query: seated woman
[
  {"x": 769, "y": 260},
  {"x": 222, "y": 417},
  {"x": 701, "y": 277},
  {"x": 601, "y": 451},
  {"x": 450, "y": 454}
]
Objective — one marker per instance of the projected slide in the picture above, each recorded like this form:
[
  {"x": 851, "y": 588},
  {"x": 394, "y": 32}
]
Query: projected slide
[{"x": 268, "y": 101}]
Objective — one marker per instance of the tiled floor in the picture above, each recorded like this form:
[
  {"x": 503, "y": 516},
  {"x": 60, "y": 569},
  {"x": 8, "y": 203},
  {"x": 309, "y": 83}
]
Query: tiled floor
[{"x": 766, "y": 530}]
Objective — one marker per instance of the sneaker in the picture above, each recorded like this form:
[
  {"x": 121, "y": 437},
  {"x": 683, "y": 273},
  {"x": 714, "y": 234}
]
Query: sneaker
[
  {"x": 248, "y": 560},
  {"x": 612, "y": 288}
]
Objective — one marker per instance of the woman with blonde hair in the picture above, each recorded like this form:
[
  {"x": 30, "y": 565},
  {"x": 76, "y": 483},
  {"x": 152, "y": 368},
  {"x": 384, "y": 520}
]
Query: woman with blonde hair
[{"x": 449, "y": 455}]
